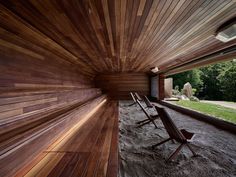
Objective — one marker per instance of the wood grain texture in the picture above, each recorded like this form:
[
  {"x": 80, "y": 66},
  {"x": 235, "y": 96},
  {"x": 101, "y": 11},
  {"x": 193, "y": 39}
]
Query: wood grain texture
[
  {"x": 91, "y": 150},
  {"x": 40, "y": 99},
  {"x": 22, "y": 145},
  {"x": 53, "y": 55},
  {"x": 113, "y": 36},
  {"x": 119, "y": 86}
]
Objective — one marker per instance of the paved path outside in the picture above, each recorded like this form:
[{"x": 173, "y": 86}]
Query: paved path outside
[{"x": 221, "y": 103}]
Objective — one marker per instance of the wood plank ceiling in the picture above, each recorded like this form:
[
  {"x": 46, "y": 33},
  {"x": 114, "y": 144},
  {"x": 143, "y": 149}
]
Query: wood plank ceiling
[{"x": 103, "y": 36}]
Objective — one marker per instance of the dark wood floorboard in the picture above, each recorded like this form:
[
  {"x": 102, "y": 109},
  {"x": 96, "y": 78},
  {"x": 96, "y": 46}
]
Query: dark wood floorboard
[{"x": 92, "y": 150}]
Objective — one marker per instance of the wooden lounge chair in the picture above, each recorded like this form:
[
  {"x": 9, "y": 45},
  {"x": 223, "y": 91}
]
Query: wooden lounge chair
[
  {"x": 138, "y": 97},
  {"x": 147, "y": 102},
  {"x": 182, "y": 136},
  {"x": 133, "y": 98},
  {"x": 150, "y": 118}
]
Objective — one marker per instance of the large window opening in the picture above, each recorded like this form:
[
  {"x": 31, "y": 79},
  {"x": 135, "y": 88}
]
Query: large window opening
[{"x": 210, "y": 90}]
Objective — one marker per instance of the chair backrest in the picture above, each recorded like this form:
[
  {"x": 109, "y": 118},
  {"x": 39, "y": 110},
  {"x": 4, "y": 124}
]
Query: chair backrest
[
  {"x": 169, "y": 125},
  {"x": 133, "y": 97},
  {"x": 147, "y": 102},
  {"x": 145, "y": 112},
  {"x": 137, "y": 96}
]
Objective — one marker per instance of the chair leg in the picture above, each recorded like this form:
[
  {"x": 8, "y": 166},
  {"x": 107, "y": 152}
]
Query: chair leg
[
  {"x": 174, "y": 154},
  {"x": 155, "y": 145},
  {"x": 146, "y": 121},
  {"x": 191, "y": 149},
  {"x": 154, "y": 124},
  {"x": 153, "y": 121},
  {"x": 142, "y": 121},
  {"x": 132, "y": 104}
]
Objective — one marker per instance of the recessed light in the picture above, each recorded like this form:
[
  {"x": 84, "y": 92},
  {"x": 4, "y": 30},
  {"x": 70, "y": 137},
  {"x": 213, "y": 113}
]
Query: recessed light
[
  {"x": 227, "y": 32},
  {"x": 154, "y": 69}
]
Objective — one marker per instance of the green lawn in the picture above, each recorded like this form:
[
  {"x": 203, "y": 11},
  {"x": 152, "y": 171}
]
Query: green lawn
[{"x": 218, "y": 111}]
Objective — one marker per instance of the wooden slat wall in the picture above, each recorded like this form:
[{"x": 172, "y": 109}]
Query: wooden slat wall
[
  {"x": 118, "y": 86},
  {"x": 51, "y": 50},
  {"x": 115, "y": 35},
  {"x": 90, "y": 150},
  {"x": 21, "y": 149},
  {"x": 39, "y": 100},
  {"x": 30, "y": 86}
]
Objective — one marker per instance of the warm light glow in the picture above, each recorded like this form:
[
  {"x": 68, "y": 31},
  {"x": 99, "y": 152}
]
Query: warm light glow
[
  {"x": 71, "y": 132},
  {"x": 61, "y": 141}
]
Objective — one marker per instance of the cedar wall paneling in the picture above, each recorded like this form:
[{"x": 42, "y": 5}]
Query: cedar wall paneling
[
  {"x": 118, "y": 86},
  {"x": 40, "y": 99},
  {"x": 118, "y": 36}
]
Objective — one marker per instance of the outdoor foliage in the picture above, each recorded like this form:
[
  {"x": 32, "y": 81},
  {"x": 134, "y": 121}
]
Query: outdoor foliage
[
  {"x": 214, "y": 82},
  {"x": 228, "y": 83},
  {"x": 218, "y": 111},
  {"x": 211, "y": 89},
  {"x": 193, "y": 77}
]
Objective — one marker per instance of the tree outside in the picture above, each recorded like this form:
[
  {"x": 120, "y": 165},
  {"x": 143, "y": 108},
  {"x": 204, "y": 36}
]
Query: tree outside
[
  {"x": 215, "y": 86},
  {"x": 214, "y": 82}
]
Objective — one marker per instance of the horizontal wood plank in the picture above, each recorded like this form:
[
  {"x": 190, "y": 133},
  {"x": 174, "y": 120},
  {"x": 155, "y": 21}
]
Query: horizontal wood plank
[
  {"x": 90, "y": 150},
  {"x": 118, "y": 86},
  {"x": 113, "y": 36}
]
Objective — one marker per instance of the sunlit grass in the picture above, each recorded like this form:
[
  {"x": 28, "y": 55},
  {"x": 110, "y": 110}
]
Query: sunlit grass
[{"x": 218, "y": 111}]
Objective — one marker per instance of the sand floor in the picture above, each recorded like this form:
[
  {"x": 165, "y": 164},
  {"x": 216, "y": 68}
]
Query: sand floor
[{"x": 216, "y": 148}]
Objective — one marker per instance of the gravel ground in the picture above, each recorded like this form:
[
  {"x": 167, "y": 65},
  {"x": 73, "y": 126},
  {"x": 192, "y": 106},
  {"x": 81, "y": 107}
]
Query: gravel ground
[{"x": 216, "y": 148}]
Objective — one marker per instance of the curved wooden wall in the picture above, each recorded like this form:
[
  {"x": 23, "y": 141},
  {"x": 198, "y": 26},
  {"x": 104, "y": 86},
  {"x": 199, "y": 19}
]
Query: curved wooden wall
[
  {"x": 115, "y": 35},
  {"x": 40, "y": 99}
]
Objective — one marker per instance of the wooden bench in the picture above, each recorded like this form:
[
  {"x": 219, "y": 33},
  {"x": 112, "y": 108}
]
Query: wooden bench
[
  {"x": 89, "y": 148},
  {"x": 24, "y": 137}
]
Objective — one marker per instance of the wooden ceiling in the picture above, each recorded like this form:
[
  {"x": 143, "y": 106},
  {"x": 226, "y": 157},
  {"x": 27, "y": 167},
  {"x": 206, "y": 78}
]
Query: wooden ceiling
[{"x": 102, "y": 36}]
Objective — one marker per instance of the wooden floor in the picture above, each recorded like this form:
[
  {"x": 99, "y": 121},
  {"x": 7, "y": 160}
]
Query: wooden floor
[{"x": 91, "y": 150}]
